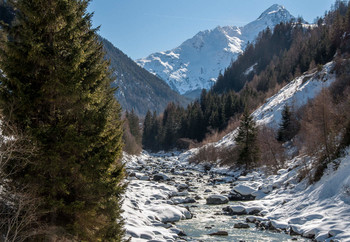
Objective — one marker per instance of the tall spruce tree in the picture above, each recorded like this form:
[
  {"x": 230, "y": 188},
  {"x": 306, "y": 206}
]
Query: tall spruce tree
[
  {"x": 289, "y": 125},
  {"x": 246, "y": 141},
  {"x": 147, "y": 130},
  {"x": 56, "y": 89},
  {"x": 134, "y": 125}
]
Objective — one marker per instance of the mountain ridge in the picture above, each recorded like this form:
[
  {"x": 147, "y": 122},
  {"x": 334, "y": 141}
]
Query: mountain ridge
[
  {"x": 137, "y": 88},
  {"x": 197, "y": 62}
]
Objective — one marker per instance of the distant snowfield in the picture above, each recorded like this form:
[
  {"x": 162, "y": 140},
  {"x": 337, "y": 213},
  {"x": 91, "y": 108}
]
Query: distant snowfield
[
  {"x": 296, "y": 94},
  {"x": 197, "y": 62}
]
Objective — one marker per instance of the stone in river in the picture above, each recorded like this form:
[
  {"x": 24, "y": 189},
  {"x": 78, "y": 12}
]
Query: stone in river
[
  {"x": 235, "y": 196},
  {"x": 217, "y": 199},
  {"x": 160, "y": 177},
  {"x": 235, "y": 210},
  {"x": 219, "y": 233},
  {"x": 182, "y": 187},
  {"x": 241, "y": 226}
]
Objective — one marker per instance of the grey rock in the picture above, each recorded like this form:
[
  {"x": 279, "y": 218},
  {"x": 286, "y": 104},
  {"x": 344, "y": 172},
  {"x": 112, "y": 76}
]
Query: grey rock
[
  {"x": 219, "y": 233},
  {"x": 160, "y": 177},
  {"x": 217, "y": 199},
  {"x": 241, "y": 226},
  {"x": 235, "y": 196}
]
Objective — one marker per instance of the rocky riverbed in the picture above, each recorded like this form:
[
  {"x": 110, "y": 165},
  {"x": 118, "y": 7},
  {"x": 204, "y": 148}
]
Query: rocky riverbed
[{"x": 170, "y": 200}]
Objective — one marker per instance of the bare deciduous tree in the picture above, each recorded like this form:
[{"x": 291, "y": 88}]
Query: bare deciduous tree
[
  {"x": 320, "y": 131},
  {"x": 18, "y": 208},
  {"x": 272, "y": 152}
]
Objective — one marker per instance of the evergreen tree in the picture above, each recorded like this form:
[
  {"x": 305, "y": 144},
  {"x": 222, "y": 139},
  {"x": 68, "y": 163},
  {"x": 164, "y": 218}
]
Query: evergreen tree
[
  {"x": 134, "y": 125},
  {"x": 157, "y": 131},
  {"x": 57, "y": 90},
  {"x": 246, "y": 141},
  {"x": 288, "y": 127},
  {"x": 132, "y": 136}
]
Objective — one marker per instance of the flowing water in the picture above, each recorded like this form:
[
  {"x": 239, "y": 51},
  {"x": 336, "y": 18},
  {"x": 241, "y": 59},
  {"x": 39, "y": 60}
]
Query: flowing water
[
  {"x": 205, "y": 222},
  {"x": 208, "y": 218}
]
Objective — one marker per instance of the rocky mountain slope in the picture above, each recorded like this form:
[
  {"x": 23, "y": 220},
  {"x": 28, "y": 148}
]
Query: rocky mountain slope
[
  {"x": 137, "y": 88},
  {"x": 197, "y": 62}
]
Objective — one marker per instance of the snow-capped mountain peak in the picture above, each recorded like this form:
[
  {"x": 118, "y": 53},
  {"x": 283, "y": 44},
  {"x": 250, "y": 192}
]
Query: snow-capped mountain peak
[
  {"x": 274, "y": 9},
  {"x": 197, "y": 62}
]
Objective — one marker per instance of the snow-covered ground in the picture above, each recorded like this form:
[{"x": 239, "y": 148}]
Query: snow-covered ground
[
  {"x": 321, "y": 209},
  {"x": 147, "y": 208},
  {"x": 165, "y": 191},
  {"x": 197, "y": 62}
]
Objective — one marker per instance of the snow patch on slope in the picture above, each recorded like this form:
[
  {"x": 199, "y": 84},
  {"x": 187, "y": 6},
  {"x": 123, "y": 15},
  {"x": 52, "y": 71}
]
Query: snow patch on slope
[{"x": 295, "y": 94}]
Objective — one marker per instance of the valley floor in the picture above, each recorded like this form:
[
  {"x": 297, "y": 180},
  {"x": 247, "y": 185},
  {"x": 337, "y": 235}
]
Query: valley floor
[{"x": 166, "y": 201}]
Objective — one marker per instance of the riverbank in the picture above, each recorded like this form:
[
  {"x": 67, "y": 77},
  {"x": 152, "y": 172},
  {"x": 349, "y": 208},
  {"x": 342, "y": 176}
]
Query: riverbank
[{"x": 166, "y": 201}]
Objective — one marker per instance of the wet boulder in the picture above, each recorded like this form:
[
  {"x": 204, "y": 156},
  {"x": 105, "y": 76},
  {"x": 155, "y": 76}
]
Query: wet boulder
[
  {"x": 183, "y": 200},
  {"x": 160, "y": 177},
  {"x": 181, "y": 187},
  {"x": 235, "y": 210},
  {"x": 217, "y": 199},
  {"x": 254, "y": 210},
  {"x": 242, "y": 193},
  {"x": 219, "y": 233},
  {"x": 241, "y": 226}
]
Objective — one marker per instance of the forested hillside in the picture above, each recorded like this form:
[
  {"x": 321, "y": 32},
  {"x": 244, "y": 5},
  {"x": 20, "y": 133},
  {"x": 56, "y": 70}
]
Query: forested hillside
[{"x": 276, "y": 58}]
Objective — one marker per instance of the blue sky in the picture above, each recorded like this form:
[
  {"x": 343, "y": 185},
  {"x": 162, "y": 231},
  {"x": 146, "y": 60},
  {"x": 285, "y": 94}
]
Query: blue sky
[{"x": 141, "y": 27}]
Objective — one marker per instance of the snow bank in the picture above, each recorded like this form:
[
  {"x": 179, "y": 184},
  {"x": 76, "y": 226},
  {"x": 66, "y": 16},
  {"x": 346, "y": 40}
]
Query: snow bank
[
  {"x": 319, "y": 211},
  {"x": 147, "y": 211}
]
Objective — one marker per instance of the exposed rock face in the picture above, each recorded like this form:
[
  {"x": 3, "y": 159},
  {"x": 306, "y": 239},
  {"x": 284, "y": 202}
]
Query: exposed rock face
[{"x": 137, "y": 88}]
